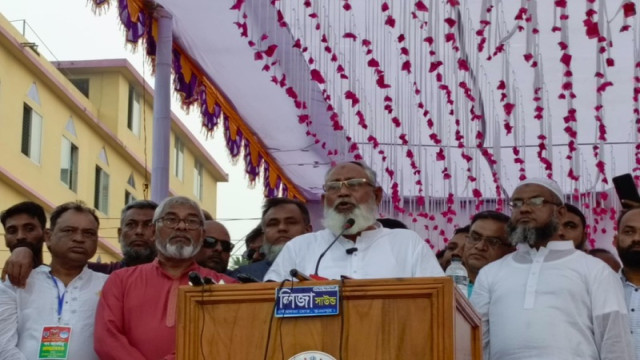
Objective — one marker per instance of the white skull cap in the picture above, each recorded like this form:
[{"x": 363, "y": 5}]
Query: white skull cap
[{"x": 548, "y": 183}]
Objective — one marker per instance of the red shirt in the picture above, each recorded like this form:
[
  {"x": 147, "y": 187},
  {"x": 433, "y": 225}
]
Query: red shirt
[{"x": 136, "y": 315}]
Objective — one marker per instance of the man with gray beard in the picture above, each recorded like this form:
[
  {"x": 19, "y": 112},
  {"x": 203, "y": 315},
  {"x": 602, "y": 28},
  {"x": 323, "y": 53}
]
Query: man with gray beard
[
  {"x": 365, "y": 249},
  {"x": 548, "y": 300},
  {"x": 135, "y": 235},
  {"x": 136, "y": 314},
  {"x": 282, "y": 220}
]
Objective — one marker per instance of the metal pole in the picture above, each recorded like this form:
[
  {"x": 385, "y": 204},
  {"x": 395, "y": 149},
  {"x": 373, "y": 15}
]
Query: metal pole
[{"x": 162, "y": 107}]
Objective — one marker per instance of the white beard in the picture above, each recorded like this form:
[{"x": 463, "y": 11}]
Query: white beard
[
  {"x": 178, "y": 251},
  {"x": 363, "y": 214}
]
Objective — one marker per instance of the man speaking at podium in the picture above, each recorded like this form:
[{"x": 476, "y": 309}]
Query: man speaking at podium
[{"x": 353, "y": 244}]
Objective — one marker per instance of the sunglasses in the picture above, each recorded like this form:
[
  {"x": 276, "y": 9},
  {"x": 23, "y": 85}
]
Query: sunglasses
[{"x": 210, "y": 243}]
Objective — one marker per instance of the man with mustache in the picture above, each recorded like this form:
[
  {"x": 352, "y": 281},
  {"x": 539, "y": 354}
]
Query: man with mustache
[
  {"x": 253, "y": 243},
  {"x": 627, "y": 242},
  {"x": 548, "y": 300},
  {"x": 573, "y": 227},
  {"x": 216, "y": 247},
  {"x": 135, "y": 235},
  {"x": 366, "y": 249},
  {"x": 136, "y": 315},
  {"x": 24, "y": 225},
  {"x": 282, "y": 220},
  {"x": 455, "y": 246},
  {"x": 58, "y": 299},
  {"x": 486, "y": 242}
]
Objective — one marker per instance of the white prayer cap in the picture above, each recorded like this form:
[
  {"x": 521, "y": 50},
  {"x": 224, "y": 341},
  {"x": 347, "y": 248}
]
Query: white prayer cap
[{"x": 548, "y": 183}]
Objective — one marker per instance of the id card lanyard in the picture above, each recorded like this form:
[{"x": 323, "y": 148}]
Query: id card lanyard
[{"x": 60, "y": 298}]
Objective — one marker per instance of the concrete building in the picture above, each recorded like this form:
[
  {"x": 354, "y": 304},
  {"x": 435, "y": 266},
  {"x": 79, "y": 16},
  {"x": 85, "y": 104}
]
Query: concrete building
[{"x": 82, "y": 130}]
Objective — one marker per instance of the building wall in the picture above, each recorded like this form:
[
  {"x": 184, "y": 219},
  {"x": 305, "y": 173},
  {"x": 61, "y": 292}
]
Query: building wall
[{"x": 99, "y": 132}]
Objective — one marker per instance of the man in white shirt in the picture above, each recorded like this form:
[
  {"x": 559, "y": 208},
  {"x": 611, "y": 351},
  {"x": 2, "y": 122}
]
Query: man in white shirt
[
  {"x": 486, "y": 242},
  {"x": 548, "y": 300},
  {"x": 363, "y": 250},
  {"x": 53, "y": 315},
  {"x": 627, "y": 242}
]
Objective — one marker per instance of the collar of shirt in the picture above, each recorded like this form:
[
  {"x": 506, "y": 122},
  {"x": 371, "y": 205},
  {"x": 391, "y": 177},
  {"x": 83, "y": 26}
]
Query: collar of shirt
[
  {"x": 555, "y": 250},
  {"x": 193, "y": 267},
  {"x": 366, "y": 238},
  {"x": 47, "y": 270},
  {"x": 377, "y": 226},
  {"x": 626, "y": 282}
]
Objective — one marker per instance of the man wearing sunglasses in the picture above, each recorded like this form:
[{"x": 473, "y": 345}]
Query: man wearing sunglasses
[
  {"x": 548, "y": 300},
  {"x": 354, "y": 244},
  {"x": 216, "y": 247}
]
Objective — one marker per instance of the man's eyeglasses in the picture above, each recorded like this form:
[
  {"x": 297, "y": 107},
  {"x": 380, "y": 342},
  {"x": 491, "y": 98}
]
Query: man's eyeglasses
[
  {"x": 134, "y": 225},
  {"x": 172, "y": 222},
  {"x": 534, "y": 202},
  {"x": 351, "y": 184},
  {"x": 210, "y": 243},
  {"x": 494, "y": 242}
]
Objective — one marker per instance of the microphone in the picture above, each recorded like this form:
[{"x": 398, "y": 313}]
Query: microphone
[
  {"x": 195, "y": 279},
  {"x": 299, "y": 275},
  {"x": 347, "y": 225},
  {"x": 208, "y": 281},
  {"x": 351, "y": 250}
]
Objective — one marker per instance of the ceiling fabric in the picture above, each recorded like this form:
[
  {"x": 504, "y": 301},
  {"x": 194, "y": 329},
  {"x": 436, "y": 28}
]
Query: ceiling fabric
[{"x": 451, "y": 102}]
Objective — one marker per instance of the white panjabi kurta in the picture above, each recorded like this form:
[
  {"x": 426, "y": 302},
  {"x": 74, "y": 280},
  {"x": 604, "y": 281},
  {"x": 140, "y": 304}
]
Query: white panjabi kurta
[
  {"x": 632, "y": 298},
  {"x": 552, "y": 303},
  {"x": 382, "y": 253},
  {"x": 25, "y": 312}
]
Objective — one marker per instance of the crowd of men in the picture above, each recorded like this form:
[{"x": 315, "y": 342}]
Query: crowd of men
[{"x": 539, "y": 293}]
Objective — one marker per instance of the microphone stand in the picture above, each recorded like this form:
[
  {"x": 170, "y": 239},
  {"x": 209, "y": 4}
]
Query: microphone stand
[{"x": 347, "y": 225}]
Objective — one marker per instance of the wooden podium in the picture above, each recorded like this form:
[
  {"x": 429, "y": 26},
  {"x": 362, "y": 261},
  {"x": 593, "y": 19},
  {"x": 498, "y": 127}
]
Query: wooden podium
[{"x": 411, "y": 318}]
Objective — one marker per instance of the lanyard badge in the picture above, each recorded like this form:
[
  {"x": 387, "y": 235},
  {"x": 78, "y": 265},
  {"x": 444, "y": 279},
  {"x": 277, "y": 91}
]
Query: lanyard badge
[{"x": 54, "y": 342}]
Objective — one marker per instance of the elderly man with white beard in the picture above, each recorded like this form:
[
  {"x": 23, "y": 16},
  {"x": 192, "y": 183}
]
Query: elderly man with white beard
[
  {"x": 136, "y": 314},
  {"x": 548, "y": 300},
  {"x": 365, "y": 250}
]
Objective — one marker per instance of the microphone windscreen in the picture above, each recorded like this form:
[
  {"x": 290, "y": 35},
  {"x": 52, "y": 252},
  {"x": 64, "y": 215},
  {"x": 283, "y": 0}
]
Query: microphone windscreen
[
  {"x": 195, "y": 279},
  {"x": 349, "y": 223}
]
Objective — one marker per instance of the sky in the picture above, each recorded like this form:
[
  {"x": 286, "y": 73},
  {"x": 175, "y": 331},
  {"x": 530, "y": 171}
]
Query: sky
[{"x": 77, "y": 33}]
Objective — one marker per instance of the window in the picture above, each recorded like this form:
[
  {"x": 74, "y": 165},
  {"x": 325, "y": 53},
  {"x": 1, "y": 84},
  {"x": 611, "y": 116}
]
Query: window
[
  {"x": 82, "y": 84},
  {"x": 133, "y": 119},
  {"x": 31, "y": 133},
  {"x": 69, "y": 164},
  {"x": 128, "y": 197},
  {"x": 178, "y": 159},
  {"x": 101, "y": 191},
  {"x": 197, "y": 180}
]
